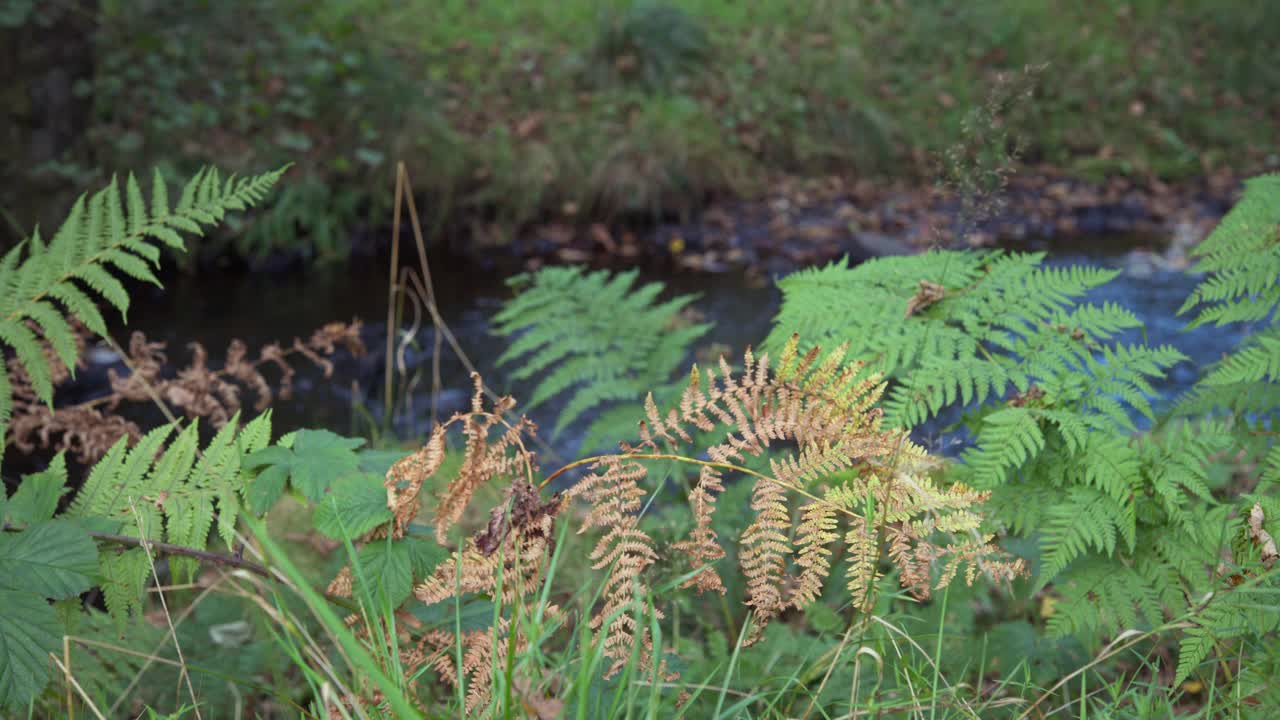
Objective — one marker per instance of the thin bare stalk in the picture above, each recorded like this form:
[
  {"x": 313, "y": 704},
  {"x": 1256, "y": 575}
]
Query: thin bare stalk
[
  {"x": 66, "y": 671},
  {"x": 173, "y": 631},
  {"x": 391, "y": 285}
]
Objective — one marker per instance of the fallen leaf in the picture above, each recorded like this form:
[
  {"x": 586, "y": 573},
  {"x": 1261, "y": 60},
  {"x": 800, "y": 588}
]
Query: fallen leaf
[
  {"x": 601, "y": 235},
  {"x": 530, "y": 124}
]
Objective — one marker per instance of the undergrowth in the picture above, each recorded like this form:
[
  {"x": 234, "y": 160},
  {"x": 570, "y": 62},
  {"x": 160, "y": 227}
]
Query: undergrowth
[{"x": 767, "y": 539}]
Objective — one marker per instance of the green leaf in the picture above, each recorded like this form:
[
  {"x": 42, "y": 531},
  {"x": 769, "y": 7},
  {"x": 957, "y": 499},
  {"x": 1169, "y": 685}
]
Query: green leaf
[
  {"x": 37, "y": 497},
  {"x": 267, "y": 488},
  {"x": 29, "y": 631},
  {"x": 378, "y": 462},
  {"x": 316, "y": 460},
  {"x": 388, "y": 566},
  {"x": 355, "y": 505},
  {"x": 54, "y": 559}
]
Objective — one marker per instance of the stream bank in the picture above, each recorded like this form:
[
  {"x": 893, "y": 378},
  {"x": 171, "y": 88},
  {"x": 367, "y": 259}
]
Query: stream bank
[{"x": 214, "y": 308}]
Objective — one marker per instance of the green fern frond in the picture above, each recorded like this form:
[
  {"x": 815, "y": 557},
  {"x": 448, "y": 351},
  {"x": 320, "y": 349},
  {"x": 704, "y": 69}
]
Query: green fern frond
[
  {"x": 1100, "y": 595},
  {"x": 1087, "y": 520},
  {"x": 104, "y": 236},
  {"x": 940, "y": 382},
  {"x": 989, "y": 321},
  {"x": 1009, "y": 438},
  {"x": 1257, "y": 360},
  {"x": 595, "y": 337},
  {"x": 1242, "y": 257},
  {"x": 167, "y": 494}
]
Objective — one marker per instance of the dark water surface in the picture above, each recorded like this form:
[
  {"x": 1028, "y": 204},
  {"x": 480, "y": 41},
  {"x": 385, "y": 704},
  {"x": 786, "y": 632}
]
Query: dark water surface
[{"x": 214, "y": 307}]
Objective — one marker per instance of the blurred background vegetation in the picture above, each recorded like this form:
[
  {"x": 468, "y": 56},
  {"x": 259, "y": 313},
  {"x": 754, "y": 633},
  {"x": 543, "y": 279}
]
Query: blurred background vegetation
[{"x": 516, "y": 111}]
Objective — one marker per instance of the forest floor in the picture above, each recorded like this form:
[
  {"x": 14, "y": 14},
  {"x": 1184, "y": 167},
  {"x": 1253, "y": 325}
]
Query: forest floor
[{"x": 537, "y": 124}]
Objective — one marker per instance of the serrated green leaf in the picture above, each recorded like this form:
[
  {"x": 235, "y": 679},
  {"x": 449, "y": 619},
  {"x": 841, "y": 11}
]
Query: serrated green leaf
[
  {"x": 29, "y": 631},
  {"x": 388, "y": 566},
  {"x": 378, "y": 462},
  {"x": 36, "y": 498},
  {"x": 354, "y": 506},
  {"x": 316, "y": 460},
  {"x": 54, "y": 559},
  {"x": 266, "y": 489}
]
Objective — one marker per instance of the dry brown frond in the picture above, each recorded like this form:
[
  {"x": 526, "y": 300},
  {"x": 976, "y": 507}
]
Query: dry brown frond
[
  {"x": 814, "y": 419},
  {"x": 483, "y": 460},
  {"x": 1261, "y": 538},
  {"x": 341, "y": 585},
  {"x": 405, "y": 478},
  {"x": 614, "y": 494},
  {"x": 90, "y": 428},
  {"x": 86, "y": 433},
  {"x": 764, "y": 552},
  {"x": 703, "y": 547}
]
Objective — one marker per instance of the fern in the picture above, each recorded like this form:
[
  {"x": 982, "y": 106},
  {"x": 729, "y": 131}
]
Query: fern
[
  {"x": 106, "y": 236},
  {"x": 813, "y": 418},
  {"x": 1129, "y": 525},
  {"x": 597, "y": 339},
  {"x": 171, "y": 494},
  {"x": 1242, "y": 259},
  {"x": 970, "y": 326}
]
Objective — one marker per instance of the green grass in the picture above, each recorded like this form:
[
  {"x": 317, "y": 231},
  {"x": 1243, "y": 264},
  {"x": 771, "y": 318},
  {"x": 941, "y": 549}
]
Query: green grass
[{"x": 508, "y": 112}]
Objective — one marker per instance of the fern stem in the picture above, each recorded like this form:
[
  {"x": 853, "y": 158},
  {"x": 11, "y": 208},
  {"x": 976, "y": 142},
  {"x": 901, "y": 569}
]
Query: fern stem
[
  {"x": 151, "y": 389},
  {"x": 392, "y": 315}
]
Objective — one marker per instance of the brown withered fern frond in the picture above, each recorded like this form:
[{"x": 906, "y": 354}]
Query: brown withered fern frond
[
  {"x": 88, "y": 429},
  {"x": 483, "y": 460},
  {"x": 835, "y": 476},
  {"x": 614, "y": 494},
  {"x": 703, "y": 546}
]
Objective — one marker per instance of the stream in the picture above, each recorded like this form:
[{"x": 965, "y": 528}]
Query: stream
[{"x": 214, "y": 307}]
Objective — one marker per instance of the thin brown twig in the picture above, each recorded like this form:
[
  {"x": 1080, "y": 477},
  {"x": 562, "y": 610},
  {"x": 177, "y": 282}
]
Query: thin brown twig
[
  {"x": 391, "y": 285},
  {"x": 184, "y": 551}
]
